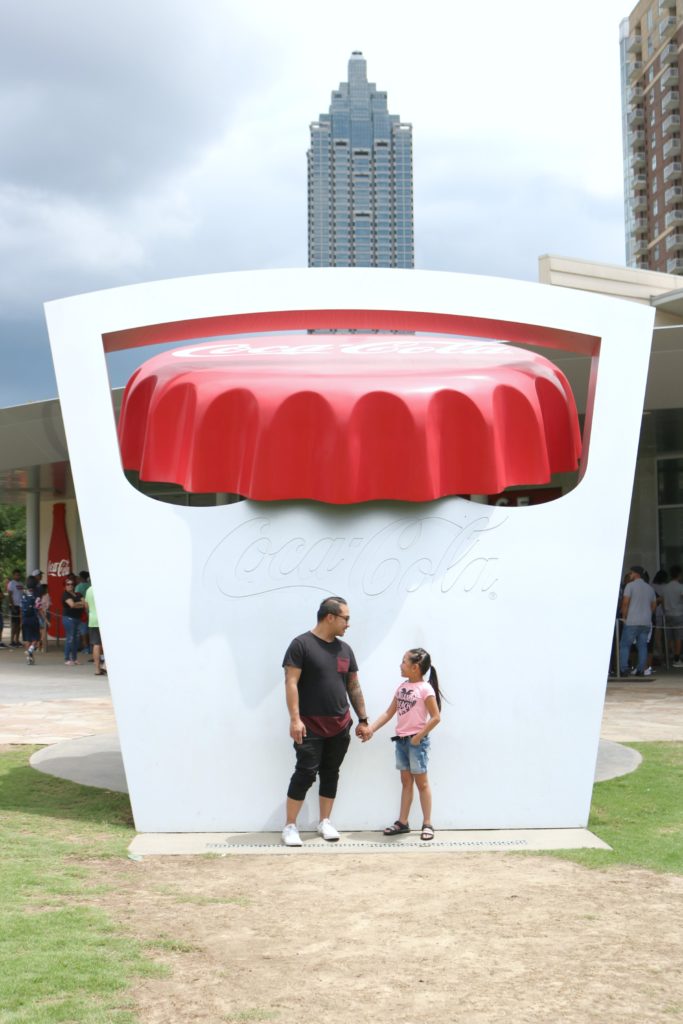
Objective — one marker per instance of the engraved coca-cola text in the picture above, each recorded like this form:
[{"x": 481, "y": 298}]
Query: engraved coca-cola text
[{"x": 401, "y": 557}]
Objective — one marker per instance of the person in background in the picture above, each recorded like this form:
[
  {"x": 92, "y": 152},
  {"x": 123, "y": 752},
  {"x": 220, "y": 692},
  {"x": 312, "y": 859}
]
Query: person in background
[
  {"x": 15, "y": 588},
  {"x": 84, "y": 641},
  {"x": 672, "y": 601},
  {"x": 659, "y": 641},
  {"x": 30, "y": 625},
  {"x": 44, "y": 602},
  {"x": 37, "y": 575},
  {"x": 2, "y": 621},
  {"x": 72, "y": 610},
  {"x": 94, "y": 632},
  {"x": 637, "y": 608}
]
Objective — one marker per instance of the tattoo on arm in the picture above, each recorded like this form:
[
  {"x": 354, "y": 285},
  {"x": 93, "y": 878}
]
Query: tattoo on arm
[{"x": 356, "y": 694}]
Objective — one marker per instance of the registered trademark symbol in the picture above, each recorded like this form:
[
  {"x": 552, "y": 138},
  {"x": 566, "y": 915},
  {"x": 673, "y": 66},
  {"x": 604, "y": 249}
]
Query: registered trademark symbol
[{"x": 493, "y": 595}]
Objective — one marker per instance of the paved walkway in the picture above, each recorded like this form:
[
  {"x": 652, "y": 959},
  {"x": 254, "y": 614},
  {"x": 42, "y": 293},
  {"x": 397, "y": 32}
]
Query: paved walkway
[{"x": 69, "y": 710}]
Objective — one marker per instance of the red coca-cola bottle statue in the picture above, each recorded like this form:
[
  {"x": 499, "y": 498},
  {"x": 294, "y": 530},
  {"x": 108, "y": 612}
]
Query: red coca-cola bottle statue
[{"x": 58, "y": 566}]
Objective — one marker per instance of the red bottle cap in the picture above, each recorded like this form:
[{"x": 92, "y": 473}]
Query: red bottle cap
[{"x": 345, "y": 418}]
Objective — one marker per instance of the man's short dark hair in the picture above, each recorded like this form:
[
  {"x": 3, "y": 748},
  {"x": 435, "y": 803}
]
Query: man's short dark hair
[{"x": 330, "y": 606}]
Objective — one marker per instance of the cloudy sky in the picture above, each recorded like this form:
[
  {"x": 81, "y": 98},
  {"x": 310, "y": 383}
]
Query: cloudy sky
[{"x": 147, "y": 139}]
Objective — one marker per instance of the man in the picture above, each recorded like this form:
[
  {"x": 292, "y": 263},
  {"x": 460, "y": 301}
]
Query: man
[
  {"x": 637, "y": 607},
  {"x": 672, "y": 600},
  {"x": 15, "y": 590},
  {"x": 321, "y": 677}
]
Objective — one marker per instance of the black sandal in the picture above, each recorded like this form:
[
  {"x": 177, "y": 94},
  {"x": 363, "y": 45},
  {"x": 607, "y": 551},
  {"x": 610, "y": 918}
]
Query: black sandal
[
  {"x": 397, "y": 829},
  {"x": 427, "y": 833}
]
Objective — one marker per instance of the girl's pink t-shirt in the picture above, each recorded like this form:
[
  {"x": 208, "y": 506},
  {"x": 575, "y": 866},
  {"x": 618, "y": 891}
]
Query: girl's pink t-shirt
[{"x": 412, "y": 713}]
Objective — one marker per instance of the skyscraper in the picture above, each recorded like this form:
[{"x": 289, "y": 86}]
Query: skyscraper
[
  {"x": 360, "y": 180},
  {"x": 651, "y": 66}
]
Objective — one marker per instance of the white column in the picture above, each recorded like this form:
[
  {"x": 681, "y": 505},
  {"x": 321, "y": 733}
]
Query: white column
[{"x": 33, "y": 519}]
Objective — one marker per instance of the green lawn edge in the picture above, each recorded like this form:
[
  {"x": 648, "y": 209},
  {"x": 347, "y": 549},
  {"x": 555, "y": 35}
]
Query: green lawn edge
[
  {"x": 61, "y": 959},
  {"x": 640, "y": 815}
]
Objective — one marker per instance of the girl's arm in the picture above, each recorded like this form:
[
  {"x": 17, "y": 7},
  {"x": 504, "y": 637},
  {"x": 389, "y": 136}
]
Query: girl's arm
[
  {"x": 383, "y": 719},
  {"x": 434, "y": 719}
]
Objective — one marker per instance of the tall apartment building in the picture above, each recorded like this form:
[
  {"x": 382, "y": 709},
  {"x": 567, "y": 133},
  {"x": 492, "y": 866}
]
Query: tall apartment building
[
  {"x": 651, "y": 40},
  {"x": 360, "y": 180}
]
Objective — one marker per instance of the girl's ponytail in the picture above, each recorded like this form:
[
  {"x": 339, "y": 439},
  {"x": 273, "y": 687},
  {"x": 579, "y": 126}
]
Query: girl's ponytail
[
  {"x": 420, "y": 657},
  {"x": 434, "y": 683}
]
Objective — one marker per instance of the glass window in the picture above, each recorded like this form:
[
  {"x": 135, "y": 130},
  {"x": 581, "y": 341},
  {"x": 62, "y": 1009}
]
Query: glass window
[
  {"x": 670, "y": 481},
  {"x": 670, "y": 536}
]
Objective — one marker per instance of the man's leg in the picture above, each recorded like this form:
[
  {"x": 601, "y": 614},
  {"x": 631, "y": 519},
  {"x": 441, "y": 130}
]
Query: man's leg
[
  {"x": 627, "y": 636},
  {"x": 641, "y": 641},
  {"x": 676, "y": 632},
  {"x": 292, "y": 810},
  {"x": 308, "y": 756},
  {"x": 326, "y": 805},
  {"x": 333, "y": 753}
]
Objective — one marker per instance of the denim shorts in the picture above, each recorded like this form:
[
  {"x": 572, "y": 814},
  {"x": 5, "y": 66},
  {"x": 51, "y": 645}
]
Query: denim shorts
[{"x": 411, "y": 758}]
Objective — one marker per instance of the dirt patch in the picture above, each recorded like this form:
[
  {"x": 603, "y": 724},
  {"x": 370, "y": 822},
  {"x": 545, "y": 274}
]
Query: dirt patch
[{"x": 471, "y": 938}]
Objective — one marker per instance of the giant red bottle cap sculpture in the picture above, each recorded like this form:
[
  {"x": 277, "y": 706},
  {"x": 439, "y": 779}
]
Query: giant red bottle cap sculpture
[{"x": 349, "y": 418}]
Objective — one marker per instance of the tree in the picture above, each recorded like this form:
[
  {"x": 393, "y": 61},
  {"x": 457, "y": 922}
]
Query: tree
[{"x": 12, "y": 540}]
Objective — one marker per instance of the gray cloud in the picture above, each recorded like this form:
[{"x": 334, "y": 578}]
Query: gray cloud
[
  {"x": 480, "y": 210},
  {"x": 99, "y": 100}
]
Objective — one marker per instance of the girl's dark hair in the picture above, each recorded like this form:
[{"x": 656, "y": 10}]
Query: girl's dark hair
[{"x": 423, "y": 659}]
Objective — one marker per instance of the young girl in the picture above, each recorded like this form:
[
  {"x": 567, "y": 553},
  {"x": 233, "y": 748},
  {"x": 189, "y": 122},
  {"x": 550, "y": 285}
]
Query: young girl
[{"x": 418, "y": 703}]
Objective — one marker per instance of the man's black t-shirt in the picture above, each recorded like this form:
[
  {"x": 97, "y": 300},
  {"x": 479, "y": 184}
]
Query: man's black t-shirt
[{"x": 322, "y": 684}]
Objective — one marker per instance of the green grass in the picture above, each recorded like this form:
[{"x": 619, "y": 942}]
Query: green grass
[
  {"x": 640, "y": 815},
  {"x": 61, "y": 960}
]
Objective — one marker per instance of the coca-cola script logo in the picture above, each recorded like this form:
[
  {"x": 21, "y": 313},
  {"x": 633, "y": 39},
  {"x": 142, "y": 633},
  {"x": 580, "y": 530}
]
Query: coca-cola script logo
[
  {"x": 416, "y": 346},
  {"x": 407, "y": 554},
  {"x": 62, "y": 568}
]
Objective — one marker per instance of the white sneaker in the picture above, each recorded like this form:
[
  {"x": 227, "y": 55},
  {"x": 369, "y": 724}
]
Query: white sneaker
[
  {"x": 290, "y": 836},
  {"x": 327, "y": 830},
  {"x": 648, "y": 671}
]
